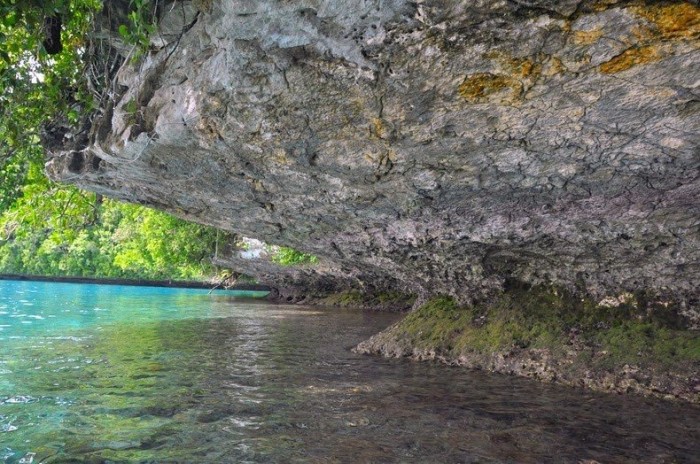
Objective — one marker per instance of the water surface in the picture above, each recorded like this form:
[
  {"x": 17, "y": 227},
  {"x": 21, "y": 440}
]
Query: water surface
[{"x": 92, "y": 374}]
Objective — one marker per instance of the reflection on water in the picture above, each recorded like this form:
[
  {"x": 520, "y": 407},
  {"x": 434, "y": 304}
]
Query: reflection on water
[{"x": 125, "y": 374}]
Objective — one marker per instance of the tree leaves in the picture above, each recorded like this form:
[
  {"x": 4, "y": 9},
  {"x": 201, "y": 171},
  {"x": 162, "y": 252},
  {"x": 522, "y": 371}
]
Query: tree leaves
[
  {"x": 48, "y": 229},
  {"x": 57, "y": 230},
  {"x": 286, "y": 256},
  {"x": 33, "y": 85},
  {"x": 10, "y": 19}
]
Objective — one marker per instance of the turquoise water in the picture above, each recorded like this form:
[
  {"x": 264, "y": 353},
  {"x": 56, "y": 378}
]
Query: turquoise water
[
  {"x": 82, "y": 367},
  {"x": 99, "y": 374}
]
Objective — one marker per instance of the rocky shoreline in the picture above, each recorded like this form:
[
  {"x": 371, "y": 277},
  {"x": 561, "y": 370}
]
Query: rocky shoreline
[
  {"x": 541, "y": 365},
  {"x": 611, "y": 348}
]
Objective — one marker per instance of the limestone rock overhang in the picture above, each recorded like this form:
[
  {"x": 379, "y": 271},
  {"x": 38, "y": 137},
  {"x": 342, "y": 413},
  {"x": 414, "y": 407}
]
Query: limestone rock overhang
[{"x": 436, "y": 146}]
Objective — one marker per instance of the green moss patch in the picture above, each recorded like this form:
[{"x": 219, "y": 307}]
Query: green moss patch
[
  {"x": 554, "y": 320},
  {"x": 349, "y": 298},
  {"x": 645, "y": 343}
]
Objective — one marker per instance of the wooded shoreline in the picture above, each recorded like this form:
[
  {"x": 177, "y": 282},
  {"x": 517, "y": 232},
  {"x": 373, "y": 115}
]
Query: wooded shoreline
[{"x": 133, "y": 282}]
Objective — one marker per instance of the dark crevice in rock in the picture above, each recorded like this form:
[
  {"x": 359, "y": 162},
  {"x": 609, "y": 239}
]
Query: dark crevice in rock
[{"x": 77, "y": 162}]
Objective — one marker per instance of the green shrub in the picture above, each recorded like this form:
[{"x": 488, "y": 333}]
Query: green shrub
[{"x": 286, "y": 256}]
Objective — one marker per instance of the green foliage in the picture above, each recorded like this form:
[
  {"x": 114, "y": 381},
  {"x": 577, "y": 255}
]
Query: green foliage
[
  {"x": 140, "y": 28},
  {"x": 634, "y": 342},
  {"x": 12, "y": 176},
  {"x": 347, "y": 298},
  {"x": 58, "y": 231},
  {"x": 36, "y": 88},
  {"x": 47, "y": 229},
  {"x": 286, "y": 256}
]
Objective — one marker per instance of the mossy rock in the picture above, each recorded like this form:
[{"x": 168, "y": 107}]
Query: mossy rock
[{"x": 551, "y": 319}]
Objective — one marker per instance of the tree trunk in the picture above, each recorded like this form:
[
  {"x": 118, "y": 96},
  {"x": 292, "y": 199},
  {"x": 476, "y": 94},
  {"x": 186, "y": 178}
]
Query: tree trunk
[{"x": 52, "y": 35}]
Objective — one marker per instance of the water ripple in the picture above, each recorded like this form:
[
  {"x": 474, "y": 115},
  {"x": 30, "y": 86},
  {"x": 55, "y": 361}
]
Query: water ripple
[{"x": 180, "y": 376}]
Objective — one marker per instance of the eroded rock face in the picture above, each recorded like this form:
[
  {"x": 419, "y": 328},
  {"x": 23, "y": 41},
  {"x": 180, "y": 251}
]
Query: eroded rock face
[{"x": 442, "y": 147}]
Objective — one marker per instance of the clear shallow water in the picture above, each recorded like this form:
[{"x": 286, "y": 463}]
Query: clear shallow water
[{"x": 133, "y": 374}]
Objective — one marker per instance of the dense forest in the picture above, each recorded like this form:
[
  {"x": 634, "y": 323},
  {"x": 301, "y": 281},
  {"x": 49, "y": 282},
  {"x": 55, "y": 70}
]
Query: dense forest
[
  {"x": 58, "y": 230},
  {"x": 52, "y": 229}
]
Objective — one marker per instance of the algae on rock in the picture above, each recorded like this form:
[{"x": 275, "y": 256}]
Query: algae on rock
[{"x": 550, "y": 334}]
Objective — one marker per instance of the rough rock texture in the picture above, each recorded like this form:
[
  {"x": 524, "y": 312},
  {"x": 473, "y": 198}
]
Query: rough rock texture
[
  {"x": 540, "y": 364},
  {"x": 319, "y": 283},
  {"x": 552, "y": 336},
  {"x": 432, "y": 146},
  {"x": 291, "y": 284}
]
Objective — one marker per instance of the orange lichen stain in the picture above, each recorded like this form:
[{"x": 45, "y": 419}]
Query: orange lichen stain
[
  {"x": 629, "y": 58},
  {"x": 507, "y": 83},
  {"x": 642, "y": 33},
  {"x": 477, "y": 88},
  {"x": 675, "y": 21},
  {"x": 518, "y": 67},
  {"x": 524, "y": 67},
  {"x": 602, "y": 5},
  {"x": 587, "y": 37}
]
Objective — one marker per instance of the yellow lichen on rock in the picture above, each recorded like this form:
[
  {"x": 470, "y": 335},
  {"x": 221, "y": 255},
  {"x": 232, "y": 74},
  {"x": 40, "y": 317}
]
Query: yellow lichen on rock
[
  {"x": 602, "y": 5},
  {"x": 377, "y": 128},
  {"x": 480, "y": 87},
  {"x": 665, "y": 23},
  {"x": 680, "y": 21},
  {"x": 629, "y": 58},
  {"x": 523, "y": 67},
  {"x": 280, "y": 156},
  {"x": 553, "y": 66},
  {"x": 518, "y": 67},
  {"x": 582, "y": 37}
]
